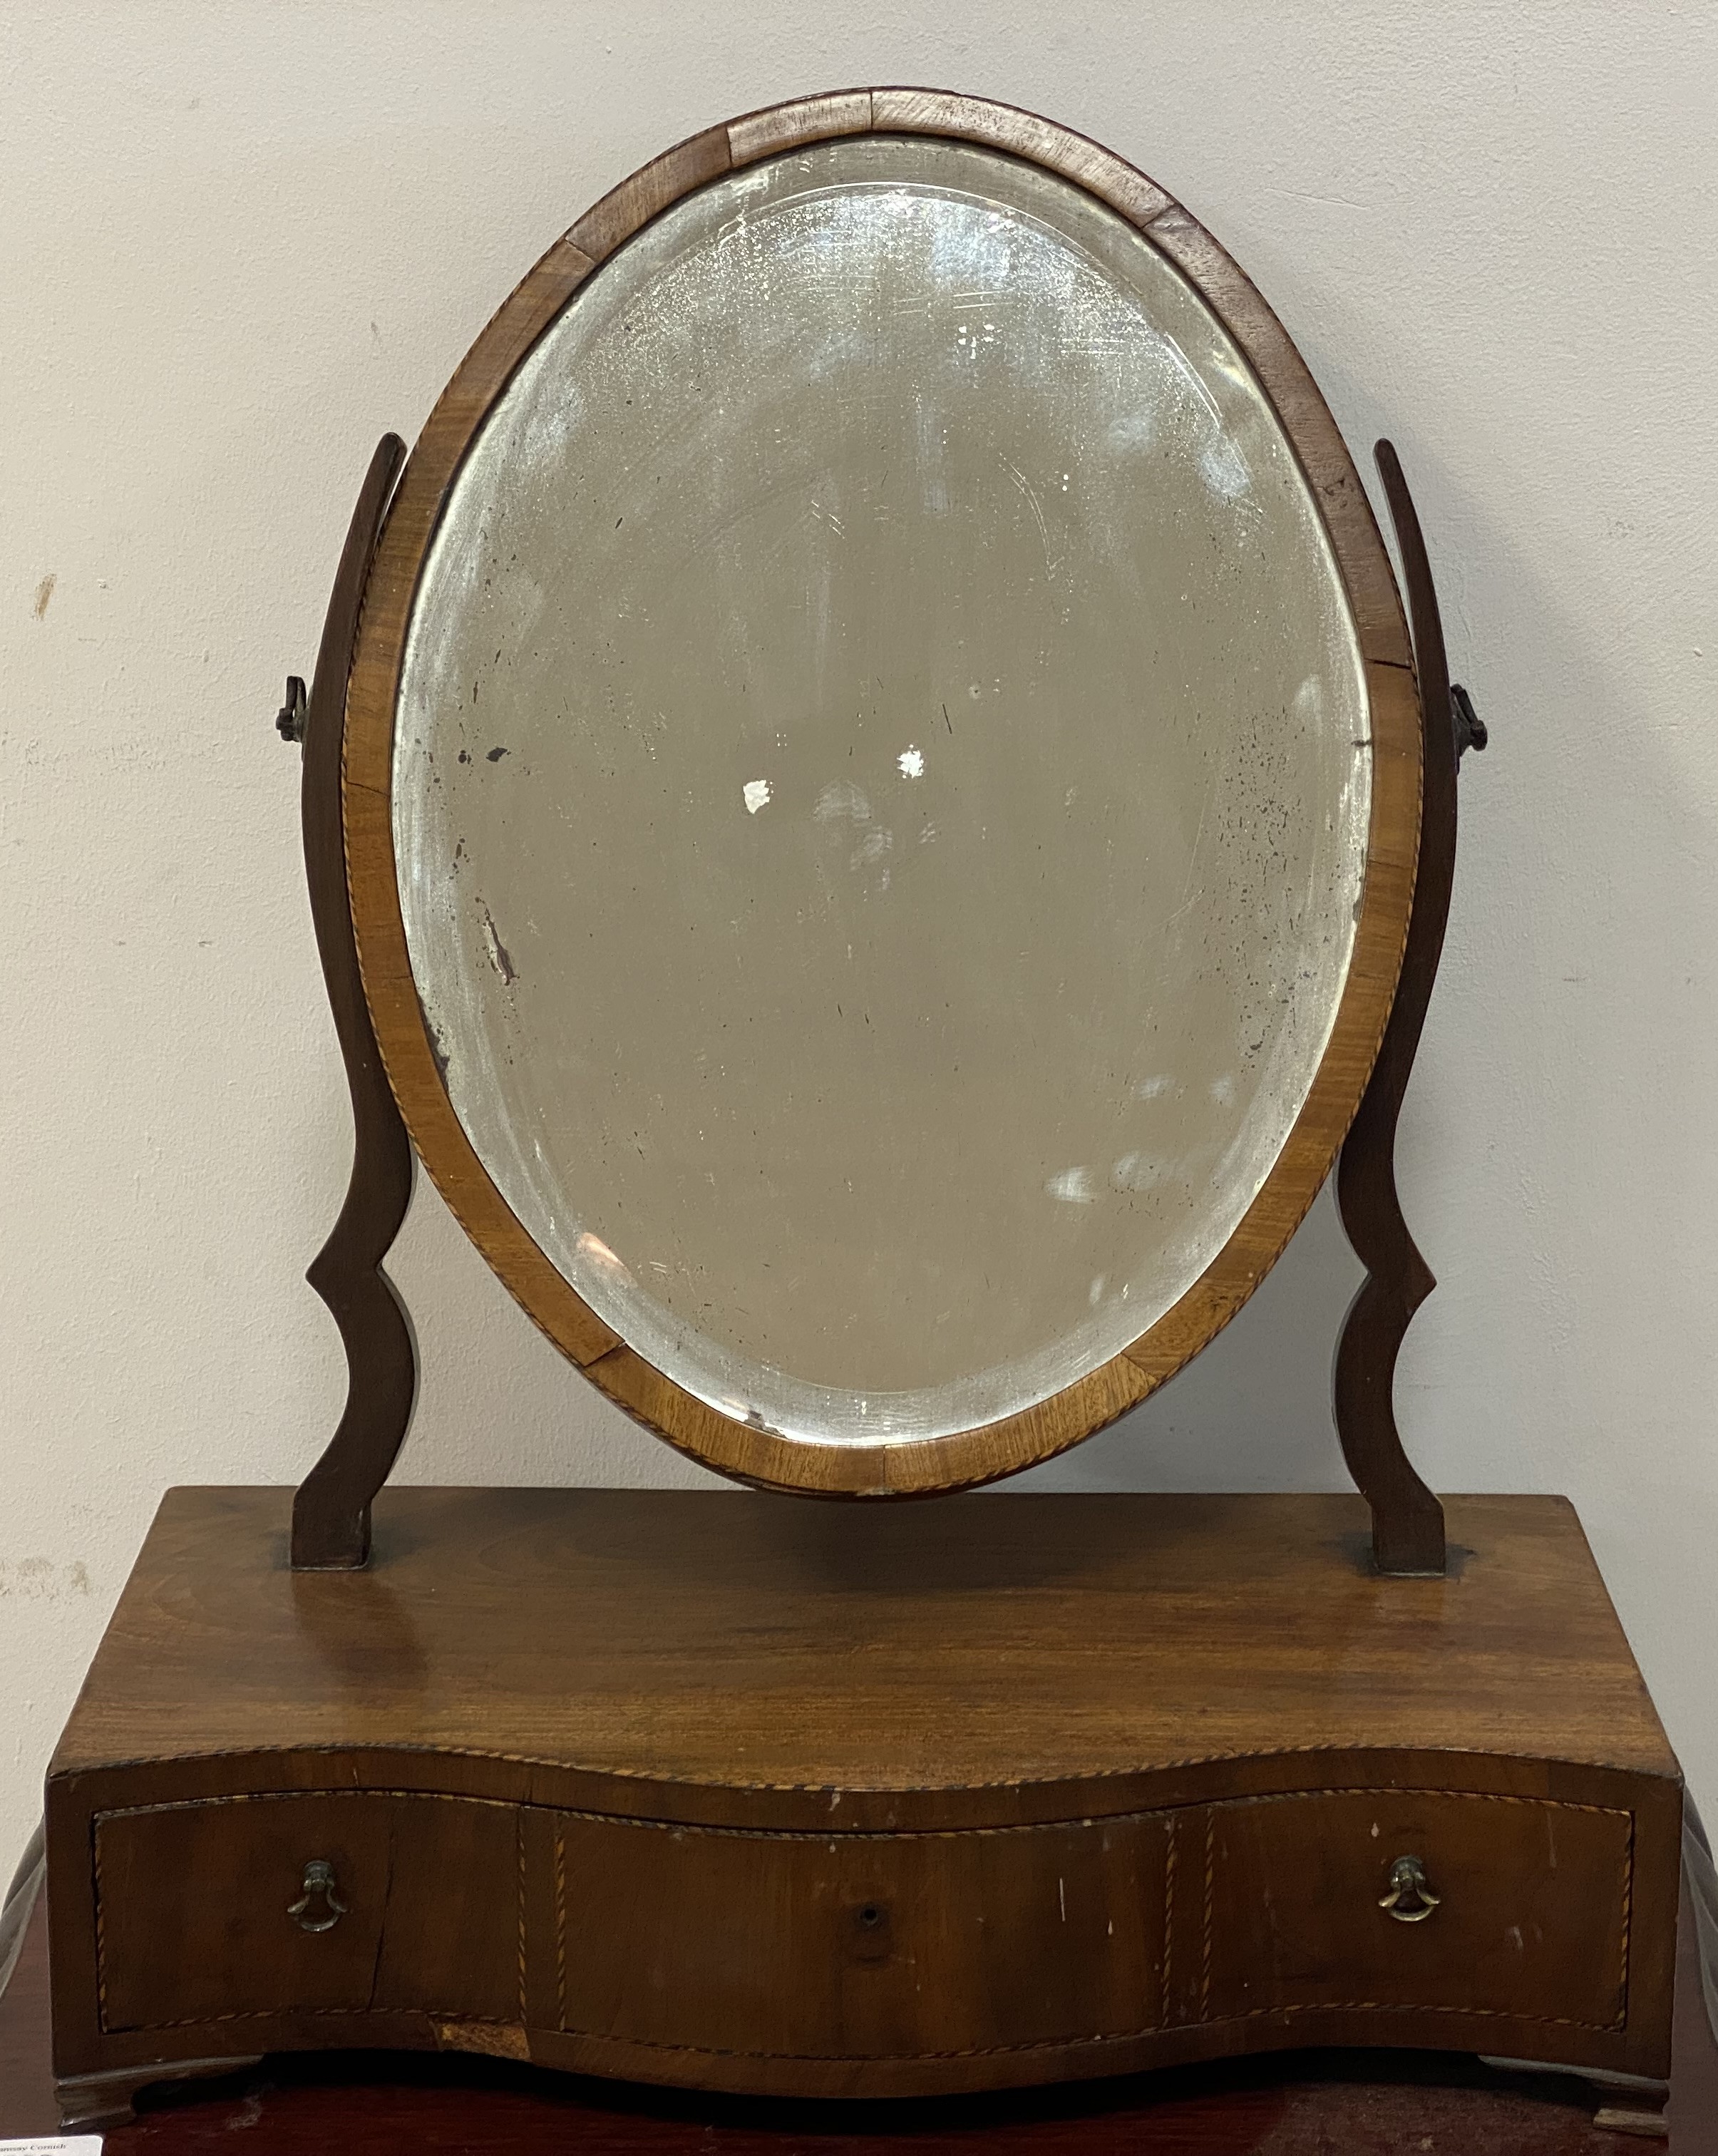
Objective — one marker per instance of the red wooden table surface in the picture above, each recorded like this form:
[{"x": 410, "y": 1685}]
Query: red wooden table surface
[{"x": 1312, "y": 2103}]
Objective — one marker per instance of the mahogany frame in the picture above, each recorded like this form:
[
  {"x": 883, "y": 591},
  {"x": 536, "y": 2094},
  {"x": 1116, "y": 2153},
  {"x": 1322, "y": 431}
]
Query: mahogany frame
[{"x": 362, "y": 934}]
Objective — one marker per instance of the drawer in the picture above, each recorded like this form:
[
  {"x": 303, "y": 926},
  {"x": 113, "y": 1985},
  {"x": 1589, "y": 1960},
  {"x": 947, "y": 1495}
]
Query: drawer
[
  {"x": 196, "y": 1902},
  {"x": 1530, "y": 1915},
  {"x": 861, "y": 1945}
]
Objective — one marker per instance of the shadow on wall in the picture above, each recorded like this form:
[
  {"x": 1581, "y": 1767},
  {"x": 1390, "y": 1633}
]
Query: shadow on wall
[{"x": 1253, "y": 1411}]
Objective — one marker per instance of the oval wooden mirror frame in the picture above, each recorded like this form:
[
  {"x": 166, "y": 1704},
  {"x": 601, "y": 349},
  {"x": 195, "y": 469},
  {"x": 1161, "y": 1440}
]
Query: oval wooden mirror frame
[{"x": 921, "y": 1466}]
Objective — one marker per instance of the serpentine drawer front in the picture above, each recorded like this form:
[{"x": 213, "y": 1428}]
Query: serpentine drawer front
[
  {"x": 348, "y": 1903},
  {"x": 1438, "y": 1901},
  {"x": 861, "y": 1946}
]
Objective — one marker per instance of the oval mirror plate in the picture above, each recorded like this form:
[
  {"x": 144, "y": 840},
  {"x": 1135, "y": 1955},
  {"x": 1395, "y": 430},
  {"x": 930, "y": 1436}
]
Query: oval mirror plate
[{"x": 882, "y": 783}]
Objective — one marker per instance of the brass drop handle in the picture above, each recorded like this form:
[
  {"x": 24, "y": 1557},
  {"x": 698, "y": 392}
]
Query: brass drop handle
[
  {"x": 319, "y": 1885},
  {"x": 1410, "y": 1899}
]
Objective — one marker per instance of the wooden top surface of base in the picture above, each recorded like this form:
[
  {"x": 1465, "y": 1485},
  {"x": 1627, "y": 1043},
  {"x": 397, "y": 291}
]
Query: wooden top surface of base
[{"x": 1000, "y": 1643}]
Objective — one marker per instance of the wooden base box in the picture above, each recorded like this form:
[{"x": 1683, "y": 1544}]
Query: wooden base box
[{"x": 746, "y": 1792}]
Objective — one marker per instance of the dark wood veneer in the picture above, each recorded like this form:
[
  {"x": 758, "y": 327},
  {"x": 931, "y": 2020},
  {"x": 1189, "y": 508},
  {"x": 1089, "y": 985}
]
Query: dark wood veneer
[
  {"x": 1407, "y": 1521},
  {"x": 332, "y": 1515},
  {"x": 1365, "y": 2103}
]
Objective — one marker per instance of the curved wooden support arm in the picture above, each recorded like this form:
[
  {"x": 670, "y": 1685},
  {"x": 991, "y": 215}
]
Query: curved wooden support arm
[
  {"x": 331, "y": 1515},
  {"x": 1407, "y": 1521}
]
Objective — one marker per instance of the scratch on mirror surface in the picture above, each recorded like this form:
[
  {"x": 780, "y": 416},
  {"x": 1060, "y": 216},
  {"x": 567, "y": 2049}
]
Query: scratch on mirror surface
[
  {"x": 1043, "y": 529},
  {"x": 500, "y": 957}
]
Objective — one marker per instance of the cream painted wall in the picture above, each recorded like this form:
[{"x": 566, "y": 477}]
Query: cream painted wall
[{"x": 239, "y": 242}]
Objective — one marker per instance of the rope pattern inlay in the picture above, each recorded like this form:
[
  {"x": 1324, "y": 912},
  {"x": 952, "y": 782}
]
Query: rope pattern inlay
[
  {"x": 1168, "y": 1915},
  {"x": 560, "y": 1926},
  {"x": 1081, "y": 1780},
  {"x": 1074, "y": 2045},
  {"x": 1083, "y": 2046},
  {"x": 1210, "y": 1881},
  {"x": 524, "y": 1962},
  {"x": 1627, "y": 1914},
  {"x": 101, "y": 1930},
  {"x": 697, "y": 1829}
]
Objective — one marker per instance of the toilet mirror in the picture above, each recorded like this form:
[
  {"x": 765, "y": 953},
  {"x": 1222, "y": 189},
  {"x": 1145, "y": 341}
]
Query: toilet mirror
[{"x": 880, "y": 796}]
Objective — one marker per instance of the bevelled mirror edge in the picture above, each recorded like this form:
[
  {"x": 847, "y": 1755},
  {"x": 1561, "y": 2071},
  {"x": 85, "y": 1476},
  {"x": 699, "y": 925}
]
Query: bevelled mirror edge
[{"x": 654, "y": 1399}]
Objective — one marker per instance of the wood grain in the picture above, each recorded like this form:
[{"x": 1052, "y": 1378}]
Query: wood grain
[
  {"x": 650, "y": 190},
  {"x": 729, "y": 1791},
  {"x": 999, "y": 1656},
  {"x": 653, "y": 1398},
  {"x": 331, "y": 1522},
  {"x": 1407, "y": 1521},
  {"x": 1365, "y": 2103},
  {"x": 908, "y": 1467},
  {"x": 793, "y": 126},
  {"x": 1532, "y": 1895},
  {"x": 193, "y": 1900},
  {"x": 1025, "y": 134},
  {"x": 902, "y": 1947}
]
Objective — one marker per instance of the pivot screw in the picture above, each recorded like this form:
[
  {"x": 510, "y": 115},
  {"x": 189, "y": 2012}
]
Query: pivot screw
[{"x": 289, "y": 719}]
